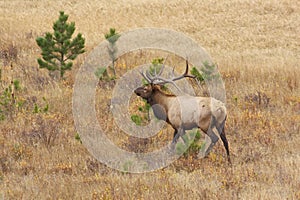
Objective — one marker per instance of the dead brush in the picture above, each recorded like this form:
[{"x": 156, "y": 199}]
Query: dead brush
[
  {"x": 9, "y": 54},
  {"x": 257, "y": 100},
  {"x": 137, "y": 145},
  {"x": 45, "y": 131},
  {"x": 4, "y": 166},
  {"x": 292, "y": 82}
]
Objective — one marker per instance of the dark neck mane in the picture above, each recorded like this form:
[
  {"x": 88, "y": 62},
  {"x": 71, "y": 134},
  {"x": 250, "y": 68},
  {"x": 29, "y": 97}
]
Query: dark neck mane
[
  {"x": 157, "y": 89},
  {"x": 159, "y": 97},
  {"x": 163, "y": 100}
]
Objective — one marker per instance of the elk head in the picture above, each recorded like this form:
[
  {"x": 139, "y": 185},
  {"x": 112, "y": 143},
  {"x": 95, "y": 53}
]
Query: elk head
[{"x": 145, "y": 91}]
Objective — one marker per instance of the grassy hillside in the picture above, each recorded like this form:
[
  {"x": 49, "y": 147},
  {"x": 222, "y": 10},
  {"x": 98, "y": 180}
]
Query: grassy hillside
[{"x": 256, "y": 45}]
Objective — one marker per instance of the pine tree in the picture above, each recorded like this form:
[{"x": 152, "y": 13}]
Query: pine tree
[
  {"x": 112, "y": 38},
  {"x": 59, "y": 49}
]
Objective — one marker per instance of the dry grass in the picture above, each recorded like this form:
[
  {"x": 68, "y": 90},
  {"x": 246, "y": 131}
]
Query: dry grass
[{"x": 256, "y": 45}]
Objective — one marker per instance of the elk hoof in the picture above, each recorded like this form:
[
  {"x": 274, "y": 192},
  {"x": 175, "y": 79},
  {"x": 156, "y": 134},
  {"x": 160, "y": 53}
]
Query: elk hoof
[{"x": 201, "y": 155}]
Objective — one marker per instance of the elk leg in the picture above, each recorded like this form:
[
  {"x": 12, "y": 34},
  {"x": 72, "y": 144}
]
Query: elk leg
[
  {"x": 221, "y": 130},
  {"x": 210, "y": 141},
  {"x": 206, "y": 144},
  {"x": 225, "y": 142},
  {"x": 175, "y": 136},
  {"x": 178, "y": 133}
]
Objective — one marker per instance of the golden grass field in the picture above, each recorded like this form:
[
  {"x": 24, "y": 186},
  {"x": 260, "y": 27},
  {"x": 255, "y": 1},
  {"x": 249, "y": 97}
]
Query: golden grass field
[{"x": 256, "y": 45}]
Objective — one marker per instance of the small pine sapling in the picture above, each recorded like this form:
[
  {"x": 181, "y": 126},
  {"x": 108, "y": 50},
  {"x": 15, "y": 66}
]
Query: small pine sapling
[
  {"x": 59, "y": 49},
  {"x": 112, "y": 38}
]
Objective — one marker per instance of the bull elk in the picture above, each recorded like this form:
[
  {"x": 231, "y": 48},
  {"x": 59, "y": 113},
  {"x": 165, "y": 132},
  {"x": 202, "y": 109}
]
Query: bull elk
[{"x": 185, "y": 112}]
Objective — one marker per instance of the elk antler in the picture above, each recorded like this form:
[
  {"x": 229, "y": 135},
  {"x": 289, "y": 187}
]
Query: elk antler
[
  {"x": 157, "y": 79},
  {"x": 149, "y": 77}
]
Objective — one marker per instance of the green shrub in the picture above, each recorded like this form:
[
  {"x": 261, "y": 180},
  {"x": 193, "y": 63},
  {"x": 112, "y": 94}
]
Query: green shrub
[
  {"x": 137, "y": 119},
  {"x": 9, "y": 101},
  {"x": 190, "y": 145},
  {"x": 78, "y": 138},
  {"x": 101, "y": 73},
  {"x": 41, "y": 108},
  {"x": 197, "y": 74},
  {"x": 207, "y": 73},
  {"x": 156, "y": 65}
]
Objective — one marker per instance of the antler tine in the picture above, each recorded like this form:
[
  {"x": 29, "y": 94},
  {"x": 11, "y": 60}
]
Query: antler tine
[
  {"x": 161, "y": 70},
  {"x": 146, "y": 77},
  {"x": 174, "y": 84},
  {"x": 162, "y": 67},
  {"x": 164, "y": 81},
  {"x": 187, "y": 70},
  {"x": 173, "y": 71},
  {"x": 185, "y": 74},
  {"x": 155, "y": 74},
  {"x": 149, "y": 76}
]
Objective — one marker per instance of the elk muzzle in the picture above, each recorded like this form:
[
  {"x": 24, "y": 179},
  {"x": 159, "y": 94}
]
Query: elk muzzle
[{"x": 139, "y": 91}]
